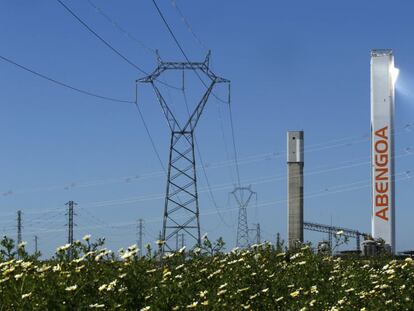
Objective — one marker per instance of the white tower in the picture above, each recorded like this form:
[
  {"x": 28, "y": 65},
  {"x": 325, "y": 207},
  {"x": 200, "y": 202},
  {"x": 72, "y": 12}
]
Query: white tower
[{"x": 383, "y": 77}]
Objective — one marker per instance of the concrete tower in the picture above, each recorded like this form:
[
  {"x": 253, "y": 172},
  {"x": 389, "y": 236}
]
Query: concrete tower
[
  {"x": 295, "y": 187},
  {"x": 383, "y": 78}
]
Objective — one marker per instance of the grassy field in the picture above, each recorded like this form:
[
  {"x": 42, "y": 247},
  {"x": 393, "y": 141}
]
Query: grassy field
[{"x": 260, "y": 278}]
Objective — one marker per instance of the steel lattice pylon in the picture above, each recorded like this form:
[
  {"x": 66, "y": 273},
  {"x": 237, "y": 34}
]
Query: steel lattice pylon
[
  {"x": 243, "y": 196},
  {"x": 181, "y": 210}
]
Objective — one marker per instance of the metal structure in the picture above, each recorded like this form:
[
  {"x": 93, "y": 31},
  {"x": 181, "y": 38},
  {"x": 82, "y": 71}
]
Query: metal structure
[
  {"x": 140, "y": 228},
  {"x": 257, "y": 234},
  {"x": 383, "y": 79},
  {"x": 182, "y": 240},
  {"x": 181, "y": 209},
  {"x": 279, "y": 243},
  {"x": 243, "y": 196},
  {"x": 19, "y": 227},
  {"x": 71, "y": 224},
  {"x": 331, "y": 230},
  {"x": 179, "y": 240},
  {"x": 35, "y": 241},
  {"x": 295, "y": 163},
  {"x": 176, "y": 241}
]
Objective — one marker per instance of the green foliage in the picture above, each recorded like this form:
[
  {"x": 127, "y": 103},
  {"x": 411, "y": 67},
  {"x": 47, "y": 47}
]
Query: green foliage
[
  {"x": 212, "y": 249},
  {"x": 205, "y": 278},
  {"x": 7, "y": 249}
]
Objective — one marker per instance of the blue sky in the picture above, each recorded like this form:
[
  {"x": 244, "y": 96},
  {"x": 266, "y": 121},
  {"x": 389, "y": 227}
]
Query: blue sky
[{"x": 293, "y": 65}]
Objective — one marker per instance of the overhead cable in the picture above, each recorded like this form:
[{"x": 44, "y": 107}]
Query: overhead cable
[
  {"x": 181, "y": 48},
  {"x": 83, "y": 23},
  {"x": 119, "y": 28},
  {"x": 320, "y": 193},
  {"x": 64, "y": 84},
  {"x": 187, "y": 24}
]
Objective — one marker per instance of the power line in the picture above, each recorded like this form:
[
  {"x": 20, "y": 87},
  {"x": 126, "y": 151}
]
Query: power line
[
  {"x": 223, "y": 136},
  {"x": 315, "y": 194},
  {"x": 234, "y": 140},
  {"x": 217, "y": 188},
  {"x": 83, "y": 23},
  {"x": 170, "y": 31},
  {"x": 211, "y": 196},
  {"x": 150, "y": 138},
  {"x": 119, "y": 28},
  {"x": 96, "y": 219},
  {"x": 181, "y": 48},
  {"x": 129, "y": 36},
  {"x": 224, "y": 186},
  {"x": 129, "y": 62},
  {"x": 90, "y": 93},
  {"x": 187, "y": 24},
  {"x": 202, "y": 81},
  {"x": 43, "y": 219},
  {"x": 210, "y": 191},
  {"x": 148, "y": 131},
  {"x": 185, "y": 99},
  {"x": 64, "y": 84},
  {"x": 106, "y": 181},
  {"x": 245, "y": 160},
  {"x": 100, "y": 38}
]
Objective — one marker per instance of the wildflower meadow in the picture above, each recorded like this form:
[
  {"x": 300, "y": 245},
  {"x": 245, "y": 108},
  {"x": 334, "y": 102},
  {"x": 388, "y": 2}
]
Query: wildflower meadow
[{"x": 87, "y": 276}]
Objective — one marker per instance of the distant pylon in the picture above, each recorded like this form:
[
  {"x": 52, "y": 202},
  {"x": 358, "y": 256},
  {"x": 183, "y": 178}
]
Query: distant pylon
[
  {"x": 279, "y": 243},
  {"x": 19, "y": 227},
  {"x": 243, "y": 196},
  {"x": 176, "y": 241},
  {"x": 71, "y": 224},
  {"x": 35, "y": 241},
  {"x": 140, "y": 234},
  {"x": 257, "y": 234}
]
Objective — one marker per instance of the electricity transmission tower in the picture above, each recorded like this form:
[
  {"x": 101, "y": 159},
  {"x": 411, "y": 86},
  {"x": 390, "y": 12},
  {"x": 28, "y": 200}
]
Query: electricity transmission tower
[
  {"x": 19, "y": 227},
  {"x": 179, "y": 241},
  {"x": 176, "y": 241},
  {"x": 257, "y": 235},
  {"x": 36, "y": 239},
  {"x": 181, "y": 209},
  {"x": 140, "y": 228},
  {"x": 279, "y": 243},
  {"x": 243, "y": 196},
  {"x": 70, "y": 215}
]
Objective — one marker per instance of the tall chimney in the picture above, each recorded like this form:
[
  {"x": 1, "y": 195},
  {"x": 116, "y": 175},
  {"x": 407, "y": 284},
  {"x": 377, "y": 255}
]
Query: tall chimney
[{"x": 295, "y": 162}]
